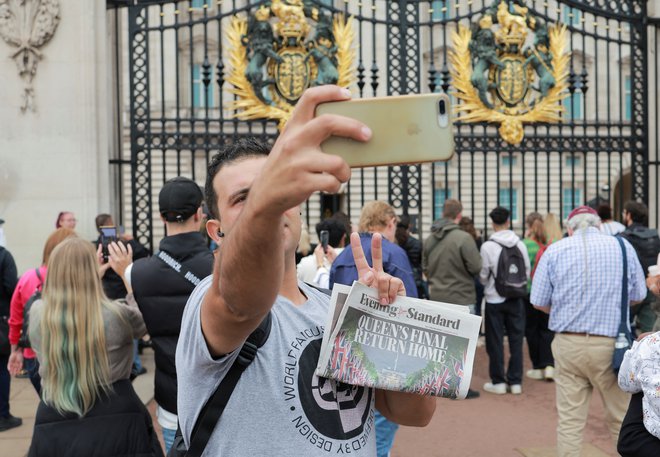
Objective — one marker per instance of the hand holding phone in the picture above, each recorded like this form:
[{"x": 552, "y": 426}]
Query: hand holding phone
[
  {"x": 325, "y": 239},
  {"x": 108, "y": 235},
  {"x": 407, "y": 129}
]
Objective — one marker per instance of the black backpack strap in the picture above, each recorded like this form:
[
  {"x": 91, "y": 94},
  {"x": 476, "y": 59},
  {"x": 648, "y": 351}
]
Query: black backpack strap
[
  {"x": 41, "y": 280},
  {"x": 212, "y": 410},
  {"x": 179, "y": 267},
  {"x": 320, "y": 289}
]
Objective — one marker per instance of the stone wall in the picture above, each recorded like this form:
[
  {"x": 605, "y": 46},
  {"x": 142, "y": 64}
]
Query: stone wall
[{"x": 56, "y": 158}]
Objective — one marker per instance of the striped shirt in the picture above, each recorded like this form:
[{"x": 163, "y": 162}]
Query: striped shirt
[{"x": 579, "y": 279}]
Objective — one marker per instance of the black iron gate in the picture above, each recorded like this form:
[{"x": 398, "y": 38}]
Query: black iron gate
[{"x": 598, "y": 153}]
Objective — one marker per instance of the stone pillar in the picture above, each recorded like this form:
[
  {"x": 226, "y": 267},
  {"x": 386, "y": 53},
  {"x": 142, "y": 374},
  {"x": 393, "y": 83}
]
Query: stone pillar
[{"x": 56, "y": 157}]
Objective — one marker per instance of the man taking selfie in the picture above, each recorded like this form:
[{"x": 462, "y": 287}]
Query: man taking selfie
[{"x": 279, "y": 407}]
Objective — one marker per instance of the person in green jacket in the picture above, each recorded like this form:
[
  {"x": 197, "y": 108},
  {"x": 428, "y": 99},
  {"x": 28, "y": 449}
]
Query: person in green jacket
[
  {"x": 537, "y": 334},
  {"x": 450, "y": 260}
]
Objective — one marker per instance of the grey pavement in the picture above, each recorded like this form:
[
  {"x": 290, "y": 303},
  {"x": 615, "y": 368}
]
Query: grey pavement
[{"x": 23, "y": 401}]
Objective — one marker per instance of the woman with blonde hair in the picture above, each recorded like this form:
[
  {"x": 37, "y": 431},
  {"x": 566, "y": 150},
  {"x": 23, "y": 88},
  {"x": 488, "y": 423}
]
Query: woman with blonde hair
[
  {"x": 536, "y": 322},
  {"x": 31, "y": 281},
  {"x": 552, "y": 228},
  {"x": 84, "y": 343},
  {"x": 539, "y": 336}
]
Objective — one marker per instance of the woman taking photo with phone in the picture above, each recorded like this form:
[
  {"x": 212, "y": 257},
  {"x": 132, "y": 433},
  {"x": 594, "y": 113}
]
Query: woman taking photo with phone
[{"x": 84, "y": 343}]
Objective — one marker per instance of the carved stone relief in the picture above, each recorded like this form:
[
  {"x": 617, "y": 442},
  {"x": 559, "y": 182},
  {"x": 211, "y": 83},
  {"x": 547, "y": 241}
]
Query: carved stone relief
[{"x": 27, "y": 25}]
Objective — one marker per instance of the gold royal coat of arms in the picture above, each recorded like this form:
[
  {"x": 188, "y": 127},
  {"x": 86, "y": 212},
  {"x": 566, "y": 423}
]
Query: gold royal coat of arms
[
  {"x": 276, "y": 53},
  {"x": 505, "y": 76}
]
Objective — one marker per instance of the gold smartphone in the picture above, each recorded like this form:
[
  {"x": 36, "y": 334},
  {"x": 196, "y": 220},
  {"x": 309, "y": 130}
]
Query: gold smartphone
[{"x": 407, "y": 129}]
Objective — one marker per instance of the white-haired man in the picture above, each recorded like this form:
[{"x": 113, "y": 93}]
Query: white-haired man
[{"x": 579, "y": 282}]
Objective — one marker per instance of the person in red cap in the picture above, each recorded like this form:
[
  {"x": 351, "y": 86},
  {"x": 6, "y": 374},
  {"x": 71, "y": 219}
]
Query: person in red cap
[{"x": 579, "y": 282}]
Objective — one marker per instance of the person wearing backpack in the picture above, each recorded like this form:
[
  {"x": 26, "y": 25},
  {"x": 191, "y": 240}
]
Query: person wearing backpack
[
  {"x": 504, "y": 273},
  {"x": 646, "y": 242},
  {"x": 31, "y": 282}
]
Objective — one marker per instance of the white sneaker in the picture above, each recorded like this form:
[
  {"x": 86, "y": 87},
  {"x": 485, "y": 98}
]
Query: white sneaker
[
  {"x": 549, "y": 373},
  {"x": 535, "y": 374},
  {"x": 497, "y": 389},
  {"x": 516, "y": 389}
]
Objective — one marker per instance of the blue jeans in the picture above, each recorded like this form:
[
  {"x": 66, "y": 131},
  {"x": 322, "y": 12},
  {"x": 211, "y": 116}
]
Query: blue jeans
[
  {"x": 385, "y": 431},
  {"x": 168, "y": 438},
  {"x": 136, "y": 357}
]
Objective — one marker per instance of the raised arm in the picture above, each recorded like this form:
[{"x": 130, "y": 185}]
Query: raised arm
[
  {"x": 250, "y": 268},
  {"x": 399, "y": 407}
]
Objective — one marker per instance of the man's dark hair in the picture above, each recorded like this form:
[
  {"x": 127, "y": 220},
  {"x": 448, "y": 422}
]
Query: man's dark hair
[
  {"x": 604, "y": 212},
  {"x": 638, "y": 211},
  {"x": 499, "y": 215},
  {"x": 101, "y": 220},
  {"x": 240, "y": 149},
  {"x": 345, "y": 220},
  {"x": 336, "y": 230}
]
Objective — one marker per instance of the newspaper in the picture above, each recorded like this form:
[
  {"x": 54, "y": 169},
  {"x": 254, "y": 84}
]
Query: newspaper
[{"x": 412, "y": 345}]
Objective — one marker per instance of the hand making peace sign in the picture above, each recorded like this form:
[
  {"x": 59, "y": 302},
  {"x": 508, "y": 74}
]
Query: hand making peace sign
[{"x": 388, "y": 286}]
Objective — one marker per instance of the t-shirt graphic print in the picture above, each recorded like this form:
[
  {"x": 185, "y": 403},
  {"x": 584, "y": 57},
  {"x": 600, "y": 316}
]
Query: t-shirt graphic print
[{"x": 279, "y": 407}]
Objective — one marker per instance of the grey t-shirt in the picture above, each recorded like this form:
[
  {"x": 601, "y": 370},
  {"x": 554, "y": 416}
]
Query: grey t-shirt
[{"x": 279, "y": 407}]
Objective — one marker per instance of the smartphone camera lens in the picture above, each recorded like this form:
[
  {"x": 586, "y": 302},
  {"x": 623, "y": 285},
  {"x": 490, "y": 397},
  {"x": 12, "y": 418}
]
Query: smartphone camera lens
[{"x": 443, "y": 113}]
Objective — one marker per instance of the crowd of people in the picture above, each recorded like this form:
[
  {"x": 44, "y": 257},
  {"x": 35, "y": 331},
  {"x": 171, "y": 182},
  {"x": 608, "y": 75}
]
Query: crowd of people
[{"x": 235, "y": 298}]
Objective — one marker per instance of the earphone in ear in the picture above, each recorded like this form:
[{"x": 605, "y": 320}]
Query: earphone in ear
[{"x": 221, "y": 234}]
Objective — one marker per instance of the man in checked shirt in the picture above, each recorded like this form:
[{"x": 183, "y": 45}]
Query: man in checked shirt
[{"x": 578, "y": 282}]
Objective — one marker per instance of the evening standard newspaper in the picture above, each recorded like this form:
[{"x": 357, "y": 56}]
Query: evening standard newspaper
[{"x": 412, "y": 345}]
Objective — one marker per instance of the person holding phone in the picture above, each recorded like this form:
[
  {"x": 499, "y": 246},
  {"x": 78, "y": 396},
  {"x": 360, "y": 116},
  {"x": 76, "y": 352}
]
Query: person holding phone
[
  {"x": 254, "y": 194},
  {"x": 113, "y": 284},
  {"x": 315, "y": 268}
]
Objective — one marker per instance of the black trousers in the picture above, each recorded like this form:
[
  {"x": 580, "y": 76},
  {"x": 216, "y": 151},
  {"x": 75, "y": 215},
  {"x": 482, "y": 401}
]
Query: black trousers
[
  {"x": 539, "y": 336},
  {"x": 634, "y": 439},
  {"x": 509, "y": 316}
]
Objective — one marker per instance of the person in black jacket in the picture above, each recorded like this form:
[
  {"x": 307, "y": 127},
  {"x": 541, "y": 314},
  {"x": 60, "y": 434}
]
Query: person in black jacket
[
  {"x": 413, "y": 248},
  {"x": 162, "y": 284},
  {"x": 8, "y": 280},
  {"x": 647, "y": 245}
]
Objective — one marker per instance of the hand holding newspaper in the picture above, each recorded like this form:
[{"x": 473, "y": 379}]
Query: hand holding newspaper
[{"x": 410, "y": 345}]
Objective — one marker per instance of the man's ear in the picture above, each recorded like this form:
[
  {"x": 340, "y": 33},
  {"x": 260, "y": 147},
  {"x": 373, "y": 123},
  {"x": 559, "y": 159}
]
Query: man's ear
[
  {"x": 214, "y": 230},
  {"x": 198, "y": 214}
]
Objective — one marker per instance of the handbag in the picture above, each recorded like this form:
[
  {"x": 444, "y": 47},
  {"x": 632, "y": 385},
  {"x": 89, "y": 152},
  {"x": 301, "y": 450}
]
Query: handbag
[{"x": 624, "y": 338}]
